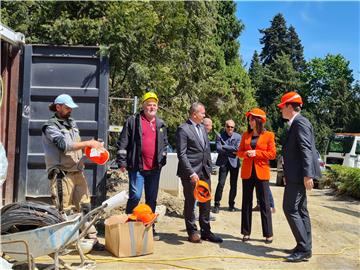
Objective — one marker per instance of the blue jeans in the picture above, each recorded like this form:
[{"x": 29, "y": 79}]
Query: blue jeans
[
  {"x": 271, "y": 199},
  {"x": 138, "y": 180}
]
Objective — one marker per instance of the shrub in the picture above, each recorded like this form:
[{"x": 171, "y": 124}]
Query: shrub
[{"x": 345, "y": 180}]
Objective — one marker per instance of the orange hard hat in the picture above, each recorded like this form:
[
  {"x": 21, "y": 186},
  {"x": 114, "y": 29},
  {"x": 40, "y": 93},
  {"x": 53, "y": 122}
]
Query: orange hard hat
[
  {"x": 257, "y": 113},
  {"x": 140, "y": 209},
  {"x": 147, "y": 218},
  {"x": 290, "y": 97},
  {"x": 202, "y": 191},
  {"x": 98, "y": 157}
]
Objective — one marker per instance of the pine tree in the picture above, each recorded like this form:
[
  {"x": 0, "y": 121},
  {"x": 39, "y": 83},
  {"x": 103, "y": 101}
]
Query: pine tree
[
  {"x": 256, "y": 71},
  {"x": 296, "y": 50},
  {"x": 275, "y": 40}
]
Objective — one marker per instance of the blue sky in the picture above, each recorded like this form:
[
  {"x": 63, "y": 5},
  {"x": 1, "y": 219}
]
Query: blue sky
[{"x": 323, "y": 27}]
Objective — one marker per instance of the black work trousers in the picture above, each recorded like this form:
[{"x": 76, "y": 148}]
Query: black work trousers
[
  {"x": 262, "y": 187},
  {"x": 204, "y": 208},
  {"x": 234, "y": 174}
]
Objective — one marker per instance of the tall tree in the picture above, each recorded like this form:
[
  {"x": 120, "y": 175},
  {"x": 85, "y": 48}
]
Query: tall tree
[
  {"x": 296, "y": 50},
  {"x": 185, "y": 51},
  {"x": 354, "y": 121},
  {"x": 228, "y": 29},
  {"x": 329, "y": 94},
  {"x": 275, "y": 40},
  {"x": 279, "y": 77},
  {"x": 256, "y": 71}
]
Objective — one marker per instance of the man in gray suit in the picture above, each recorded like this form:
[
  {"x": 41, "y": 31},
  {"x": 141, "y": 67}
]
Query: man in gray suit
[
  {"x": 193, "y": 151},
  {"x": 301, "y": 166},
  {"x": 226, "y": 144}
]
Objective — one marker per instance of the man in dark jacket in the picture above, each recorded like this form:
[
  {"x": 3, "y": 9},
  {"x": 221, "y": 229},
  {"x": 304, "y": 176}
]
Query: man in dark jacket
[
  {"x": 142, "y": 152},
  {"x": 301, "y": 166},
  {"x": 193, "y": 152},
  {"x": 226, "y": 144}
]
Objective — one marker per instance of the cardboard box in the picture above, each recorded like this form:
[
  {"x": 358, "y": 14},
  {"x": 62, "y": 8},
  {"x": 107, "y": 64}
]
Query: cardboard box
[{"x": 127, "y": 239}]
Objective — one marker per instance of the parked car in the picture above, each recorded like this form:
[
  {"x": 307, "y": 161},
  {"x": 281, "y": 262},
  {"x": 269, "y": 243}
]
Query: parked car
[
  {"x": 344, "y": 149},
  {"x": 214, "y": 156},
  {"x": 280, "y": 171}
]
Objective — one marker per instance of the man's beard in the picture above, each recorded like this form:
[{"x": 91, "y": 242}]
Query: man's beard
[
  {"x": 150, "y": 112},
  {"x": 64, "y": 116}
]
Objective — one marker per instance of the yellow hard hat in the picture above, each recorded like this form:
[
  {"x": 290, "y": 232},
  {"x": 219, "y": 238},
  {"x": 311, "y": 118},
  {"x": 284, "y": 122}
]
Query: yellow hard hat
[{"x": 149, "y": 95}]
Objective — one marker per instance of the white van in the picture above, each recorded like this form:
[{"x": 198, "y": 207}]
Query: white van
[{"x": 344, "y": 149}]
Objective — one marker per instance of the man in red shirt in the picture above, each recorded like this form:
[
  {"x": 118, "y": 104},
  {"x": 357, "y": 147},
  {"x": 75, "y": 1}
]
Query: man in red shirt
[{"x": 142, "y": 152}]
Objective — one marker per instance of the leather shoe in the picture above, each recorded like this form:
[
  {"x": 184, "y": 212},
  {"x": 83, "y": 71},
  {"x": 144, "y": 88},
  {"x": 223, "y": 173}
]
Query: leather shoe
[
  {"x": 216, "y": 209},
  {"x": 231, "y": 209},
  {"x": 212, "y": 238},
  {"x": 194, "y": 238},
  {"x": 290, "y": 251},
  {"x": 299, "y": 256}
]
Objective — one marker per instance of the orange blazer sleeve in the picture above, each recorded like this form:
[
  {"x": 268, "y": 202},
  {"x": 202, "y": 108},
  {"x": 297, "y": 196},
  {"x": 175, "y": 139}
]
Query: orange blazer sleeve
[
  {"x": 270, "y": 152},
  {"x": 241, "y": 150}
]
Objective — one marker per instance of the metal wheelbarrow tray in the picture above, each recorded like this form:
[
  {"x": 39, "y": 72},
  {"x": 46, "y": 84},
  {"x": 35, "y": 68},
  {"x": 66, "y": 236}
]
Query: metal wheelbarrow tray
[{"x": 42, "y": 241}]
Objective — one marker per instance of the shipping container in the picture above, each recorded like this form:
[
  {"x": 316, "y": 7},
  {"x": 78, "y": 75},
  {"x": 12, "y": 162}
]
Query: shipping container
[{"x": 49, "y": 71}]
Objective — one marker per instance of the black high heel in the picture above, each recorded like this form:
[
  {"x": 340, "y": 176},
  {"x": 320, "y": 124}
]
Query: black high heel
[
  {"x": 268, "y": 240},
  {"x": 246, "y": 238}
]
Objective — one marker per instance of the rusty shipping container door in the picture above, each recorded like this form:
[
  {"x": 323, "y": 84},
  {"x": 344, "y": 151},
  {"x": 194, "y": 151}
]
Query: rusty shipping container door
[{"x": 48, "y": 72}]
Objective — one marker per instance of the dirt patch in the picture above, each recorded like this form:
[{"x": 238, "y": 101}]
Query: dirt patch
[
  {"x": 118, "y": 181},
  {"x": 335, "y": 230},
  {"x": 335, "y": 227}
]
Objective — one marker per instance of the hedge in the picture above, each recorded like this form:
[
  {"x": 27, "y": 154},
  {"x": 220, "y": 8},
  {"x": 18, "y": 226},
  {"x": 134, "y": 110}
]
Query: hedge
[{"x": 345, "y": 180}]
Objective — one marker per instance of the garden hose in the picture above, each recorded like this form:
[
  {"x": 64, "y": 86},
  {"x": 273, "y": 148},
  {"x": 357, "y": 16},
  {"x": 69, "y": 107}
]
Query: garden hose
[{"x": 167, "y": 262}]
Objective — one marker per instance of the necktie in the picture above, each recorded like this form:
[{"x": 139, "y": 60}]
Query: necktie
[{"x": 200, "y": 135}]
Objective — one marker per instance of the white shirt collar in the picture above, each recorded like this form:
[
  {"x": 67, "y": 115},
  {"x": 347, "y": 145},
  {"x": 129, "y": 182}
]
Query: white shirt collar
[
  {"x": 292, "y": 119},
  {"x": 192, "y": 122}
]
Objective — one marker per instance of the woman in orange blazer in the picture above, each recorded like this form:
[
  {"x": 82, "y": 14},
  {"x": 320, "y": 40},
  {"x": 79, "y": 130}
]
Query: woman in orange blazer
[{"x": 257, "y": 147}]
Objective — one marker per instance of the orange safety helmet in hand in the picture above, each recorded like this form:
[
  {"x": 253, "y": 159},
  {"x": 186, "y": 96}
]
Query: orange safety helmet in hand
[
  {"x": 290, "y": 97},
  {"x": 202, "y": 191},
  {"x": 257, "y": 113},
  {"x": 96, "y": 156}
]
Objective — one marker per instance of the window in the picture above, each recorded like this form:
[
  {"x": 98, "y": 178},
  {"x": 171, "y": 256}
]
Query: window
[
  {"x": 357, "y": 150},
  {"x": 341, "y": 144}
]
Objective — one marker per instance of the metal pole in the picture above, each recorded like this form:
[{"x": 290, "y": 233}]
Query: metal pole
[{"x": 135, "y": 104}]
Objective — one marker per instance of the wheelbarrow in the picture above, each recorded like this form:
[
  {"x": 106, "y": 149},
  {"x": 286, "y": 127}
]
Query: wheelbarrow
[{"x": 55, "y": 239}]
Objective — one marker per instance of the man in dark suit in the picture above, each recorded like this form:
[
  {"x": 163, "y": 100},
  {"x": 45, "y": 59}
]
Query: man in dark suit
[
  {"x": 301, "y": 166},
  {"x": 193, "y": 151},
  {"x": 226, "y": 144}
]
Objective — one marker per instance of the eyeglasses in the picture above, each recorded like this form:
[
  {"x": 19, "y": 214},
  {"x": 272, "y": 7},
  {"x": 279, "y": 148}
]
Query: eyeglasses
[{"x": 229, "y": 127}]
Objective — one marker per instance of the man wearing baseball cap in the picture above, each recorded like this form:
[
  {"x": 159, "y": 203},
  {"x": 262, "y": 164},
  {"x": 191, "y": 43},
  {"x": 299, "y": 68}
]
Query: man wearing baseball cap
[
  {"x": 142, "y": 152},
  {"x": 301, "y": 166},
  {"x": 63, "y": 152}
]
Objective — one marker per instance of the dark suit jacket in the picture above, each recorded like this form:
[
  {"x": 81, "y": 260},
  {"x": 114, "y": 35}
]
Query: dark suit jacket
[
  {"x": 299, "y": 152},
  {"x": 226, "y": 146},
  {"x": 192, "y": 156}
]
